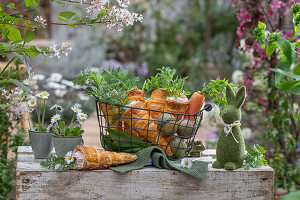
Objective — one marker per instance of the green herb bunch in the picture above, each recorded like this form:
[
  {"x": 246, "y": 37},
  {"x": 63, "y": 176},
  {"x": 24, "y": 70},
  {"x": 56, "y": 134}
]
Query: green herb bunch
[
  {"x": 108, "y": 86},
  {"x": 216, "y": 89},
  {"x": 255, "y": 157},
  {"x": 165, "y": 78},
  {"x": 58, "y": 163}
]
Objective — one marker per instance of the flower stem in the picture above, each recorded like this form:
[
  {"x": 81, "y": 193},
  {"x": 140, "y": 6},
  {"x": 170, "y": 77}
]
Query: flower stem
[
  {"x": 7, "y": 65},
  {"x": 71, "y": 124},
  {"x": 44, "y": 112},
  {"x": 38, "y": 114},
  {"x": 29, "y": 119}
]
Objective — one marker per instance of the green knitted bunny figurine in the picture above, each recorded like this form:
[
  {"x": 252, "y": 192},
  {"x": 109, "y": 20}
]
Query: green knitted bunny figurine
[{"x": 231, "y": 145}]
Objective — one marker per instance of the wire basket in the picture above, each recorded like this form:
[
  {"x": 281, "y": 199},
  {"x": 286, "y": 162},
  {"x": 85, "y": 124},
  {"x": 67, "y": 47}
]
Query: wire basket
[{"x": 123, "y": 130}]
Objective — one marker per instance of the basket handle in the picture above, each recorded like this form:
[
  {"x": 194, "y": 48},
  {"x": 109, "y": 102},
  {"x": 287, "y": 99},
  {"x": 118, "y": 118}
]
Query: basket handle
[{"x": 207, "y": 107}]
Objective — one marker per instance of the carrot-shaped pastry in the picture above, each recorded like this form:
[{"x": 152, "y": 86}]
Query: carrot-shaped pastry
[
  {"x": 92, "y": 158},
  {"x": 134, "y": 95},
  {"x": 111, "y": 116},
  {"x": 177, "y": 105},
  {"x": 158, "y": 101},
  {"x": 145, "y": 126},
  {"x": 195, "y": 103}
]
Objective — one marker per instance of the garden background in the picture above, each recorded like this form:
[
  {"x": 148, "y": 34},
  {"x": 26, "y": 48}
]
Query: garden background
[{"x": 201, "y": 39}]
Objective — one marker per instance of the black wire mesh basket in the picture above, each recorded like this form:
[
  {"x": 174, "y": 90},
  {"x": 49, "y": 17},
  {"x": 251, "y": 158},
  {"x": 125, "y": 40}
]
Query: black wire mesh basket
[{"x": 130, "y": 129}]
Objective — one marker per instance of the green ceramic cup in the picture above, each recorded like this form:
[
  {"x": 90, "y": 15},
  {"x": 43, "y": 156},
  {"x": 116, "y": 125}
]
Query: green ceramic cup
[
  {"x": 41, "y": 143},
  {"x": 63, "y": 145}
]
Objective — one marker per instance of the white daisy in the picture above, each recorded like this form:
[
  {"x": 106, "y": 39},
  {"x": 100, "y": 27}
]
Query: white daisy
[
  {"x": 80, "y": 120},
  {"x": 185, "y": 162},
  {"x": 82, "y": 116},
  {"x": 43, "y": 95},
  {"x": 57, "y": 107},
  {"x": 69, "y": 157},
  {"x": 32, "y": 101},
  {"x": 75, "y": 109},
  {"x": 49, "y": 127},
  {"x": 227, "y": 128},
  {"x": 55, "y": 118}
]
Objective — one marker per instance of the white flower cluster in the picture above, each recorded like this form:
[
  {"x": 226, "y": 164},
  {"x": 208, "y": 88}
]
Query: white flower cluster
[
  {"x": 120, "y": 16},
  {"x": 65, "y": 48},
  {"x": 80, "y": 115},
  {"x": 16, "y": 106},
  {"x": 115, "y": 16},
  {"x": 41, "y": 21}
]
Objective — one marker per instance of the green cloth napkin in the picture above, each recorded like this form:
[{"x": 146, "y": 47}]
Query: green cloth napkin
[{"x": 160, "y": 160}]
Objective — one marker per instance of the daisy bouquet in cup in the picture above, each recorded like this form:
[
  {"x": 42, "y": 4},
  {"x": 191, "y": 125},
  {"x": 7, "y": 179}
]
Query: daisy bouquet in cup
[
  {"x": 38, "y": 102},
  {"x": 59, "y": 127}
]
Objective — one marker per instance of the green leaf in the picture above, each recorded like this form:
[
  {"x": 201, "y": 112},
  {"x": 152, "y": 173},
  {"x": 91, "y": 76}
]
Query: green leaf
[
  {"x": 72, "y": 25},
  {"x": 284, "y": 65},
  {"x": 76, "y": 19},
  {"x": 20, "y": 84},
  {"x": 297, "y": 69},
  {"x": 261, "y": 25},
  {"x": 11, "y": 5},
  {"x": 61, "y": 19},
  {"x": 29, "y": 36},
  {"x": 0, "y": 7},
  {"x": 5, "y": 32},
  {"x": 286, "y": 47},
  {"x": 30, "y": 2},
  {"x": 291, "y": 75},
  {"x": 59, "y": 2},
  {"x": 67, "y": 14},
  {"x": 14, "y": 34},
  {"x": 270, "y": 48},
  {"x": 292, "y": 86}
]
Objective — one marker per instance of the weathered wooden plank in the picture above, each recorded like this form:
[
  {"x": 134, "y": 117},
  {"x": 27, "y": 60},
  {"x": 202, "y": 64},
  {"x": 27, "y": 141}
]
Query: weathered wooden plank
[{"x": 34, "y": 182}]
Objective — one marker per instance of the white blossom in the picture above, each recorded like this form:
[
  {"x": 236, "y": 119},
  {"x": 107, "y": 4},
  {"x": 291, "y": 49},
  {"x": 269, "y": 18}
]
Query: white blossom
[
  {"x": 41, "y": 21},
  {"x": 69, "y": 157},
  {"x": 187, "y": 163},
  {"x": 55, "y": 77},
  {"x": 57, "y": 107},
  {"x": 64, "y": 49},
  {"x": 55, "y": 118},
  {"x": 43, "y": 95},
  {"x": 238, "y": 76},
  {"x": 75, "y": 109},
  {"x": 32, "y": 101},
  {"x": 60, "y": 92}
]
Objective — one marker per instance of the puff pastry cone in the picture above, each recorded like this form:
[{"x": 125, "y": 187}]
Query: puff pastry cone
[
  {"x": 134, "y": 95},
  {"x": 146, "y": 127},
  {"x": 158, "y": 101},
  {"x": 92, "y": 158},
  {"x": 177, "y": 105}
]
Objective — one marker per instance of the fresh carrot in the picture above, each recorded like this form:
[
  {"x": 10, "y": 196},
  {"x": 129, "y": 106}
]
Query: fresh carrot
[{"x": 195, "y": 103}]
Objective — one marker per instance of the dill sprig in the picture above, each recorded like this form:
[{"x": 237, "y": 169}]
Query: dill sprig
[
  {"x": 165, "y": 78},
  {"x": 53, "y": 161},
  {"x": 255, "y": 157},
  {"x": 107, "y": 86}
]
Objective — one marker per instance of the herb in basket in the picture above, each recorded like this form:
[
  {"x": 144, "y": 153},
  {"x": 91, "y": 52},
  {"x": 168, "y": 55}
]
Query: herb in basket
[
  {"x": 255, "y": 157},
  {"x": 108, "y": 86},
  {"x": 59, "y": 163},
  {"x": 121, "y": 141},
  {"x": 59, "y": 127},
  {"x": 165, "y": 78}
]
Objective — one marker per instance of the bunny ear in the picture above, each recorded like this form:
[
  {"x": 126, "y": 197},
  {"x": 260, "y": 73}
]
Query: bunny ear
[
  {"x": 230, "y": 95},
  {"x": 240, "y": 97}
]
